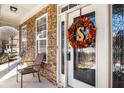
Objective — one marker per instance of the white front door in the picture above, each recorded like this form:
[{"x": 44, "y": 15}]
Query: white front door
[
  {"x": 87, "y": 67},
  {"x": 81, "y": 63}
]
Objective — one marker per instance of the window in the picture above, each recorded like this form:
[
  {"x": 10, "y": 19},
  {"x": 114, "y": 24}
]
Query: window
[
  {"x": 67, "y": 7},
  {"x": 41, "y": 35},
  {"x": 23, "y": 38},
  {"x": 62, "y": 47},
  {"x": 118, "y": 45}
]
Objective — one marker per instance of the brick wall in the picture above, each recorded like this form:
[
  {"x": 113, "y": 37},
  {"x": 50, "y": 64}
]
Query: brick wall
[{"x": 49, "y": 69}]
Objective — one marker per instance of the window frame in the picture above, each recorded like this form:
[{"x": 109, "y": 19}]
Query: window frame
[
  {"x": 24, "y": 27},
  {"x": 111, "y": 46},
  {"x": 42, "y": 38}
]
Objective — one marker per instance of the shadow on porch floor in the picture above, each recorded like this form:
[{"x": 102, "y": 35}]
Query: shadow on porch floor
[{"x": 8, "y": 78}]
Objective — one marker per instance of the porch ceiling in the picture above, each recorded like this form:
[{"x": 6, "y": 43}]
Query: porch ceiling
[{"x": 24, "y": 11}]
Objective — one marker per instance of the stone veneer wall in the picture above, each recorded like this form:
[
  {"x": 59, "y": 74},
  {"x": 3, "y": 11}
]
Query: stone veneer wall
[{"x": 49, "y": 69}]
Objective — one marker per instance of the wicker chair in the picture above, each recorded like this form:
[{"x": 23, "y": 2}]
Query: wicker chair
[{"x": 35, "y": 68}]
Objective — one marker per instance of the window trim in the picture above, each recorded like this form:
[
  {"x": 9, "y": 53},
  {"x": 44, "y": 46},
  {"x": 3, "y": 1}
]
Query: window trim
[{"x": 36, "y": 39}]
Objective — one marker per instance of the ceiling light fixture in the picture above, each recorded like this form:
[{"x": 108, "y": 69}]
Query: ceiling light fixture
[{"x": 13, "y": 9}]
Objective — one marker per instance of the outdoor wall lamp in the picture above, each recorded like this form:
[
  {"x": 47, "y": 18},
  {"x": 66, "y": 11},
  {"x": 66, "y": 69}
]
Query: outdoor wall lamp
[{"x": 13, "y": 9}]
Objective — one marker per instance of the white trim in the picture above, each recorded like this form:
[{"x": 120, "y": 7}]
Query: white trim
[
  {"x": 102, "y": 48},
  {"x": 111, "y": 48},
  {"x": 65, "y": 54},
  {"x": 46, "y": 14}
]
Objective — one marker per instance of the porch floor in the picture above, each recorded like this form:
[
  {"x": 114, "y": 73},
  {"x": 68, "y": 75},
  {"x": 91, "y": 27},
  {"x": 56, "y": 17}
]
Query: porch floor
[{"x": 8, "y": 78}]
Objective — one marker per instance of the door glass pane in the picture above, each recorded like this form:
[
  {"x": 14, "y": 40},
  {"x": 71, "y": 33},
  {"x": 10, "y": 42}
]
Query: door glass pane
[
  {"x": 62, "y": 47},
  {"x": 118, "y": 45},
  {"x": 84, "y": 60}
]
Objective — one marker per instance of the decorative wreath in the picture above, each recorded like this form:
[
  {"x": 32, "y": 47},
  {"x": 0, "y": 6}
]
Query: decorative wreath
[{"x": 81, "y": 34}]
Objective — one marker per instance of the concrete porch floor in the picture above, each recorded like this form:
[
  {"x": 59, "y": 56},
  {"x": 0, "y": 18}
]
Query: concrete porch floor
[{"x": 8, "y": 78}]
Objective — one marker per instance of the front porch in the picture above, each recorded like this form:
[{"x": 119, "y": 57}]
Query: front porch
[
  {"x": 98, "y": 64},
  {"x": 8, "y": 78}
]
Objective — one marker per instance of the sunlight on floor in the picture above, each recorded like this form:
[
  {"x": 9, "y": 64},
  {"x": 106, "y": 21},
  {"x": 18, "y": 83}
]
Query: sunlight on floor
[
  {"x": 10, "y": 72},
  {"x": 8, "y": 75},
  {"x": 5, "y": 66}
]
